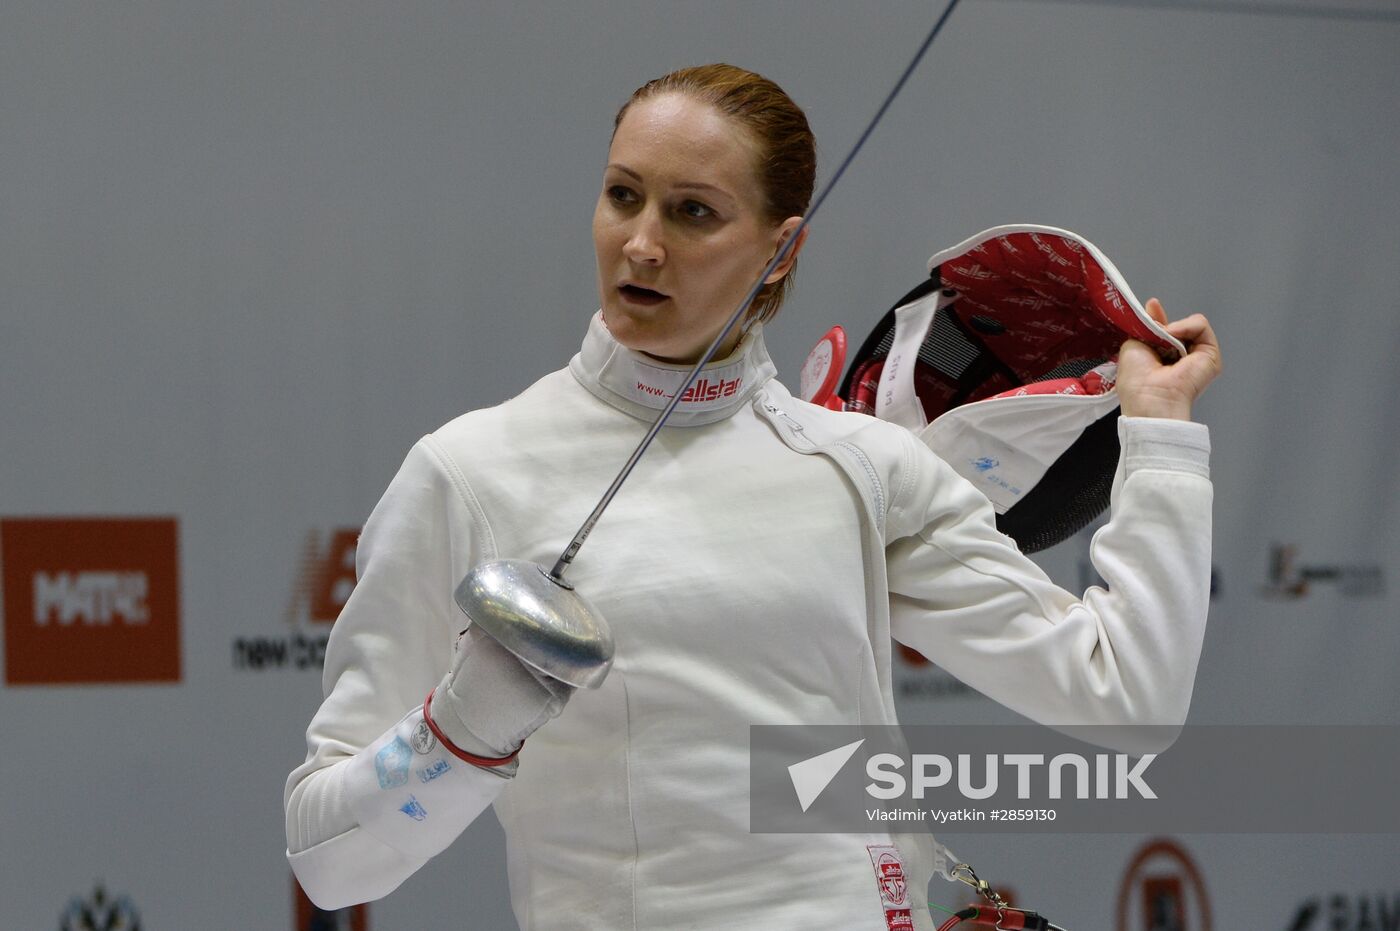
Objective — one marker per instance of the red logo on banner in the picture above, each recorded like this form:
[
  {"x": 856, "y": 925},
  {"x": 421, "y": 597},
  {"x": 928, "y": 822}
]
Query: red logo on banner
[
  {"x": 1168, "y": 890},
  {"x": 310, "y": 918},
  {"x": 327, "y": 575},
  {"x": 91, "y": 600}
]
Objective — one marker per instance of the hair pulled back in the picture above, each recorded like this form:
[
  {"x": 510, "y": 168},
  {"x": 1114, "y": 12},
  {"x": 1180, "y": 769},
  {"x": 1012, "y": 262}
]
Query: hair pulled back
[{"x": 787, "y": 156}]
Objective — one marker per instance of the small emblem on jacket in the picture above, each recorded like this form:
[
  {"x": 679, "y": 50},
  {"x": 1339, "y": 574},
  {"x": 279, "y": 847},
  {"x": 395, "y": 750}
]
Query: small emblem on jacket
[
  {"x": 985, "y": 464},
  {"x": 391, "y": 764},
  {"x": 414, "y": 809},
  {"x": 423, "y": 739}
]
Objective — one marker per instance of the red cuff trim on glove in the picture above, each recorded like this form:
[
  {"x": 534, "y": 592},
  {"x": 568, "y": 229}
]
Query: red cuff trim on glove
[{"x": 458, "y": 752}]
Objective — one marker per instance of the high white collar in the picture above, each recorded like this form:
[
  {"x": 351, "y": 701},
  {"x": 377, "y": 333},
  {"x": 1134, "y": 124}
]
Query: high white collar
[{"x": 641, "y": 386}]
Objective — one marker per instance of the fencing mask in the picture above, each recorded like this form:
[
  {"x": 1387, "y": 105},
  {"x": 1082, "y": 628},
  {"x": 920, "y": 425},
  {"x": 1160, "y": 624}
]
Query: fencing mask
[{"x": 1003, "y": 361}]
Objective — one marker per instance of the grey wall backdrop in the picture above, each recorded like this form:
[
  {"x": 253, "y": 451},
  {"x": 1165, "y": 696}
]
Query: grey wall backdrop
[{"x": 250, "y": 252}]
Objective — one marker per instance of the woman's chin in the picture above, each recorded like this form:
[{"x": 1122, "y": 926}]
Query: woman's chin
[
  {"x": 634, "y": 331},
  {"x": 652, "y": 335}
]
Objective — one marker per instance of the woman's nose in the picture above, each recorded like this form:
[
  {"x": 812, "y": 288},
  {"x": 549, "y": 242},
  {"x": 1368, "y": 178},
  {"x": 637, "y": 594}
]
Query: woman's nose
[{"x": 645, "y": 244}]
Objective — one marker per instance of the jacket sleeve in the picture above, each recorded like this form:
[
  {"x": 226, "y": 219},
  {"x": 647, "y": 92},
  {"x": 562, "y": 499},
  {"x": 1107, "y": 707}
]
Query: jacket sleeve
[
  {"x": 965, "y": 597},
  {"x": 377, "y": 796}
]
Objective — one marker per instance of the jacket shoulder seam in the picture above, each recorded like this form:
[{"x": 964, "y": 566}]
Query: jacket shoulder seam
[{"x": 464, "y": 491}]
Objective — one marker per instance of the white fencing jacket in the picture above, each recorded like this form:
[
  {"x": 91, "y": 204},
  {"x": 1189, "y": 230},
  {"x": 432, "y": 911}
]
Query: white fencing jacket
[{"x": 753, "y": 570}]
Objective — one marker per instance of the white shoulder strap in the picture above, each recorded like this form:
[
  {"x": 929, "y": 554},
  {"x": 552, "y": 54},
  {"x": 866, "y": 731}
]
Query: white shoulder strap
[{"x": 895, "y": 399}]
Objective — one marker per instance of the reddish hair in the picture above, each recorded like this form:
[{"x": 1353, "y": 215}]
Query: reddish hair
[{"x": 787, "y": 151}]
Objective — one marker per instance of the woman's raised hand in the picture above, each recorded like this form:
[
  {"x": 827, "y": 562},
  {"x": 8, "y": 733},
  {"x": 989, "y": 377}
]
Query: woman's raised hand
[{"x": 1149, "y": 387}]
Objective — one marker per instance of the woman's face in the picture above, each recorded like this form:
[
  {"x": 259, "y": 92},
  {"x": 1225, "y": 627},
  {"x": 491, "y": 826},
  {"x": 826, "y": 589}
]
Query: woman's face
[{"x": 679, "y": 230}]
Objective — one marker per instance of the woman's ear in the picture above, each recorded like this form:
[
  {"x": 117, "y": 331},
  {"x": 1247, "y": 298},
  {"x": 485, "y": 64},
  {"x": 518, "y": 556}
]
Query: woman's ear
[{"x": 785, "y": 231}]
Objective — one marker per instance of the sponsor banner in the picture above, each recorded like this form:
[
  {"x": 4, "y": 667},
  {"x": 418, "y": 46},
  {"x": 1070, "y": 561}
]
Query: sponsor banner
[
  {"x": 91, "y": 600},
  {"x": 1348, "y": 911},
  {"x": 1015, "y": 779},
  {"x": 300, "y": 651},
  {"x": 1291, "y": 577},
  {"x": 324, "y": 580},
  {"x": 1162, "y": 890}
]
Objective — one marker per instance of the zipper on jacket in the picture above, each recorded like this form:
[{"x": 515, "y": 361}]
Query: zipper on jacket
[
  {"x": 796, "y": 434},
  {"x": 788, "y": 425},
  {"x": 782, "y": 415}
]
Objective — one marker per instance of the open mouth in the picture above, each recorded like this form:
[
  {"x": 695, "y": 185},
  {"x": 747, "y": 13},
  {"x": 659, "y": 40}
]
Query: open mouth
[{"x": 636, "y": 294}]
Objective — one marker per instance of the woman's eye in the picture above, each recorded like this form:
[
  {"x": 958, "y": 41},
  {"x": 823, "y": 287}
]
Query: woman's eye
[
  {"x": 619, "y": 194},
  {"x": 694, "y": 210}
]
